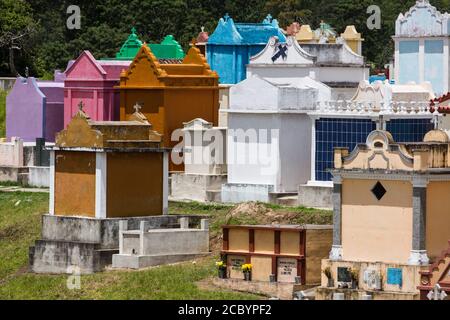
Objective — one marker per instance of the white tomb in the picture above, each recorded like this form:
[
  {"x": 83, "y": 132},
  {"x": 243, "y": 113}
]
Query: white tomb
[
  {"x": 205, "y": 163},
  {"x": 422, "y": 38},
  {"x": 336, "y": 65},
  {"x": 269, "y": 137}
]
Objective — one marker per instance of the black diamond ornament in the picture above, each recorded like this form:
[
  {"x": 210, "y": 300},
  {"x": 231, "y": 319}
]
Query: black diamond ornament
[{"x": 379, "y": 191}]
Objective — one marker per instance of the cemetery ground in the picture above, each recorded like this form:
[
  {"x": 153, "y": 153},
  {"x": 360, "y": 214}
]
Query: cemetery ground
[{"x": 20, "y": 217}]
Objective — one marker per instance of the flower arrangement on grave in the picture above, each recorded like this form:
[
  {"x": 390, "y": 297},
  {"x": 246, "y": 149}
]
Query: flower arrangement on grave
[
  {"x": 222, "y": 269},
  {"x": 327, "y": 273},
  {"x": 247, "y": 270}
]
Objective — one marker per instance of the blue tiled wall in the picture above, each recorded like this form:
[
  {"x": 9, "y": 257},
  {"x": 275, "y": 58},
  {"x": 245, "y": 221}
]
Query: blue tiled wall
[
  {"x": 334, "y": 133},
  {"x": 409, "y": 130},
  {"x": 347, "y": 133}
]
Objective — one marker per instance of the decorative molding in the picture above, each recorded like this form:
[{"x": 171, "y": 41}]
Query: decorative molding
[
  {"x": 418, "y": 258},
  {"x": 406, "y": 25}
]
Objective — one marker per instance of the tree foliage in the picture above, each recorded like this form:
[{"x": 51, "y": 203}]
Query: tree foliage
[{"x": 44, "y": 43}]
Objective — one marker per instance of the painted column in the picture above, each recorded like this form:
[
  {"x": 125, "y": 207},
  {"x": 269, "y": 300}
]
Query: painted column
[
  {"x": 166, "y": 183},
  {"x": 100, "y": 185},
  {"x": 336, "y": 250},
  {"x": 313, "y": 149},
  {"x": 419, "y": 253},
  {"x": 446, "y": 66},
  {"x": 51, "y": 205}
]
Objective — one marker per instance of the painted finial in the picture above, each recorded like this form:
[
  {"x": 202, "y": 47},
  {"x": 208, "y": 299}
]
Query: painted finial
[
  {"x": 133, "y": 30},
  {"x": 80, "y": 106},
  {"x": 203, "y": 29},
  {"x": 27, "y": 72},
  {"x": 226, "y": 17}
]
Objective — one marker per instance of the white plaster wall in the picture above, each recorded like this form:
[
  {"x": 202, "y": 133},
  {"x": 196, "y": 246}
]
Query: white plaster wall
[
  {"x": 285, "y": 164},
  {"x": 286, "y": 73},
  {"x": 295, "y": 152},
  {"x": 264, "y": 95}
]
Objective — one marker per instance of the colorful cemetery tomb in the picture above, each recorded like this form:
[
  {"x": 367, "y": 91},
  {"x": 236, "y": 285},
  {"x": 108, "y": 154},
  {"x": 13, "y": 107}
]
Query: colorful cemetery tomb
[
  {"x": 390, "y": 215},
  {"x": 101, "y": 172},
  {"x": 168, "y": 50},
  {"x": 333, "y": 64},
  {"x": 35, "y": 109},
  {"x": 353, "y": 39},
  {"x": 400, "y": 109},
  {"x": 25, "y": 163},
  {"x": 325, "y": 34},
  {"x": 284, "y": 254},
  {"x": 231, "y": 45},
  {"x": 204, "y": 161},
  {"x": 130, "y": 47},
  {"x": 170, "y": 94},
  {"x": 92, "y": 82},
  {"x": 148, "y": 246},
  {"x": 269, "y": 137},
  {"x": 201, "y": 41},
  {"x": 422, "y": 47}
]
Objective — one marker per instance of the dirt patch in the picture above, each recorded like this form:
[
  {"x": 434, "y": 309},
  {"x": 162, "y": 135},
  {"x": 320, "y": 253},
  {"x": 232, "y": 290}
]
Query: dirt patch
[
  {"x": 257, "y": 213},
  {"x": 12, "y": 232}
]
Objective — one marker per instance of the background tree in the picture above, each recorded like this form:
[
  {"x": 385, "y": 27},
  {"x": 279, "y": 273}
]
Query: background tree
[
  {"x": 49, "y": 45},
  {"x": 17, "y": 28}
]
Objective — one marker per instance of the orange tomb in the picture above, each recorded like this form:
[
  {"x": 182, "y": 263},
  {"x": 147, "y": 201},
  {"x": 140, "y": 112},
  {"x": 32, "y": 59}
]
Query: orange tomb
[{"x": 170, "y": 94}]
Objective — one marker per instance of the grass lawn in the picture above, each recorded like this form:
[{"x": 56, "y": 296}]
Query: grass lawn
[
  {"x": 20, "y": 216},
  {"x": 2, "y": 113}
]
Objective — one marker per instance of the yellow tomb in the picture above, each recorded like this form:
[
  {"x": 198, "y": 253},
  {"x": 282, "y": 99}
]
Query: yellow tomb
[
  {"x": 102, "y": 169},
  {"x": 391, "y": 216}
]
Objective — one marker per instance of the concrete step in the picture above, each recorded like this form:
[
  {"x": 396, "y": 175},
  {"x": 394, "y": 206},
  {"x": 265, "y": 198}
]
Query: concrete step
[{"x": 57, "y": 257}]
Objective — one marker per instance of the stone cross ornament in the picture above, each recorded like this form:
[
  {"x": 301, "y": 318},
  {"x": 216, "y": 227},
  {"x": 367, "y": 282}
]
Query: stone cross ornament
[
  {"x": 437, "y": 293},
  {"x": 137, "y": 107}
]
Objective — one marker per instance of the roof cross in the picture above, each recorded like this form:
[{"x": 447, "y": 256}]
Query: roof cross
[
  {"x": 380, "y": 122},
  {"x": 137, "y": 107}
]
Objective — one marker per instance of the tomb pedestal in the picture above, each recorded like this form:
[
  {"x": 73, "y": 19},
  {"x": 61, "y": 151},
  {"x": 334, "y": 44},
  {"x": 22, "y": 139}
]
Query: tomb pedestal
[
  {"x": 316, "y": 196},
  {"x": 144, "y": 248},
  {"x": 86, "y": 243},
  {"x": 204, "y": 161},
  {"x": 385, "y": 281}
]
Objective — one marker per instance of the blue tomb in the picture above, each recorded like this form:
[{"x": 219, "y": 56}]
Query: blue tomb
[{"x": 231, "y": 45}]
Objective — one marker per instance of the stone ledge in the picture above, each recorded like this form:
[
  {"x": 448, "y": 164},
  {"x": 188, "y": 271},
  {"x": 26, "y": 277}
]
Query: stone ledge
[
  {"x": 283, "y": 291},
  {"x": 323, "y": 293},
  {"x": 123, "y": 261}
]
